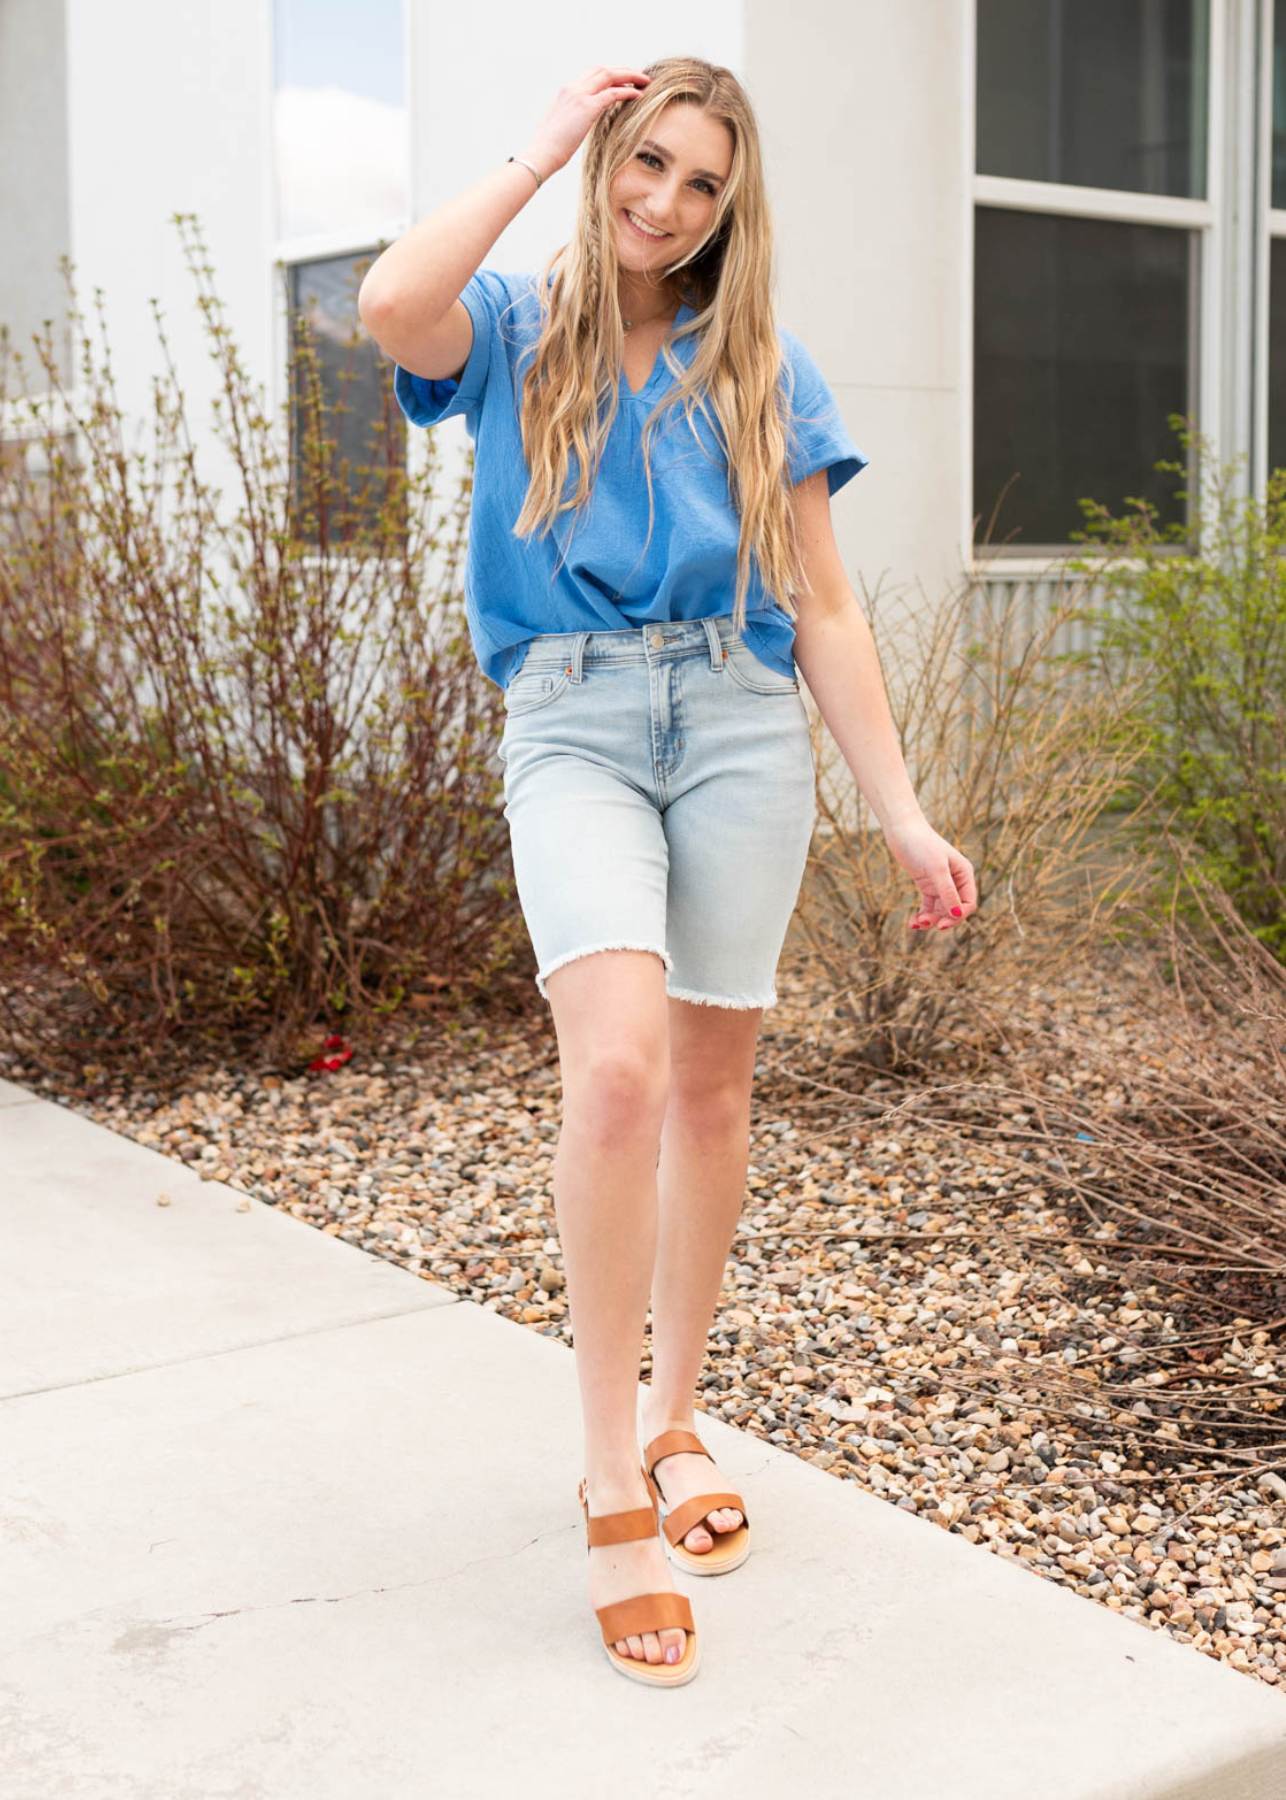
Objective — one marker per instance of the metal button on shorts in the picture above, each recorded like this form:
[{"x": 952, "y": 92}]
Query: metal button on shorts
[{"x": 660, "y": 795}]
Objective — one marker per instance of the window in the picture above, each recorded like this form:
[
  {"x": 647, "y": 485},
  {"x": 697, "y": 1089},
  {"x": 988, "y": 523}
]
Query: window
[
  {"x": 1094, "y": 93},
  {"x": 1080, "y": 357},
  {"x": 1090, "y": 224},
  {"x": 336, "y": 361},
  {"x": 340, "y": 118},
  {"x": 342, "y": 147}
]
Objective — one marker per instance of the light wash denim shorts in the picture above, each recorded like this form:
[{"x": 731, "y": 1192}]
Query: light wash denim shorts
[{"x": 660, "y": 794}]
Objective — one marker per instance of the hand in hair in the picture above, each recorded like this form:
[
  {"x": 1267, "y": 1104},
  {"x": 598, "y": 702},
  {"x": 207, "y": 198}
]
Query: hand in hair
[{"x": 566, "y": 125}]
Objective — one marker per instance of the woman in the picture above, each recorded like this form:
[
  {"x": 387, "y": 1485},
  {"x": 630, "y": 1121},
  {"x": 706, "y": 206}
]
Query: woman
[{"x": 650, "y": 558}]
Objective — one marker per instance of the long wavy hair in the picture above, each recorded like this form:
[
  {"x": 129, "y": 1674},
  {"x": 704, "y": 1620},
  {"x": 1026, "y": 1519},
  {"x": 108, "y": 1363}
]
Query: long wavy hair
[{"x": 570, "y": 389}]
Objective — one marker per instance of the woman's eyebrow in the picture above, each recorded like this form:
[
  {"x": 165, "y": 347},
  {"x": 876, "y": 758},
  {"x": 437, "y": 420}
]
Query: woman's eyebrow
[{"x": 665, "y": 155}]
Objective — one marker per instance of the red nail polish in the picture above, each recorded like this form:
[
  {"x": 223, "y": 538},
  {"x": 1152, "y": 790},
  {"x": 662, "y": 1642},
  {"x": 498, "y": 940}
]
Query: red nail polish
[{"x": 957, "y": 912}]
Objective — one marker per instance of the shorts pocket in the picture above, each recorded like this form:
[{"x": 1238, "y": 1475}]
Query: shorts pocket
[
  {"x": 531, "y": 689},
  {"x": 750, "y": 673}
]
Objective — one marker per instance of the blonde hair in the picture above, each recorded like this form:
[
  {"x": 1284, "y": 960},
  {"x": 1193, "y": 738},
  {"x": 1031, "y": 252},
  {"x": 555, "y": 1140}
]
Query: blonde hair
[{"x": 570, "y": 391}]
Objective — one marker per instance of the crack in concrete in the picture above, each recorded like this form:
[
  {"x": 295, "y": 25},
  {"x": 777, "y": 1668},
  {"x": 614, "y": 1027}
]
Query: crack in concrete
[
  {"x": 233, "y": 1612},
  {"x": 477, "y": 1562},
  {"x": 255, "y": 1343}
]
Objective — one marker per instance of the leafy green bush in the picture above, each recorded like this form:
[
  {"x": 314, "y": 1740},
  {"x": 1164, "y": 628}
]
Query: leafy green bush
[{"x": 1200, "y": 610}]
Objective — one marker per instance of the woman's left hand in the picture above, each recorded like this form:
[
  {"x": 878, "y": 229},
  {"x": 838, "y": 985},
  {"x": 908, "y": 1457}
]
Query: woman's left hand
[{"x": 948, "y": 892}]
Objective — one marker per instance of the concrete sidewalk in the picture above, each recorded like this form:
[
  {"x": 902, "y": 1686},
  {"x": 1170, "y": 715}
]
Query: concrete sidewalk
[{"x": 279, "y": 1520}]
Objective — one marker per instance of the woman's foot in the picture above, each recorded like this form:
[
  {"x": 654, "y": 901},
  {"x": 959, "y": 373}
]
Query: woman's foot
[
  {"x": 685, "y": 1474},
  {"x": 640, "y": 1566}
]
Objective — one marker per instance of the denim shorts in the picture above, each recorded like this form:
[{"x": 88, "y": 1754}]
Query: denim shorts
[{"x": 660, "y": 794}]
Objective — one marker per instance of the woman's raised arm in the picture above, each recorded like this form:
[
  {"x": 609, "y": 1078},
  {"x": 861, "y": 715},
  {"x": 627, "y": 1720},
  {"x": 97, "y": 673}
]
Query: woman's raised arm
[{"x": 410, "y": 299}]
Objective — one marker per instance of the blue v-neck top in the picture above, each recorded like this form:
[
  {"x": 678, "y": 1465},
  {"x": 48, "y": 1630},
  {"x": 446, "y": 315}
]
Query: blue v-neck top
[{"x": 591, "y": 572}]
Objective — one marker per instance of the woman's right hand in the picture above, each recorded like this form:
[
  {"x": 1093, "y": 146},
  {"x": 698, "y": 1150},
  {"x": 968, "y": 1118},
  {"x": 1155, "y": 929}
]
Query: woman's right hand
[{"x": 565, "y": 126}]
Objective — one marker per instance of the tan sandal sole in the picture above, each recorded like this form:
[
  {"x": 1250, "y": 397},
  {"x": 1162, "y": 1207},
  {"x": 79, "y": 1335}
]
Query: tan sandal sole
[
  {"x": 729, "y": 1550},
  {"x": 661, "y": 1674}
]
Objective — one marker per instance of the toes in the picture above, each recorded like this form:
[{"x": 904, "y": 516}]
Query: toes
[
  {"x": 698, "y": 1539},
  {"x": 726, "y": 1518},
  {"x": 652, "y": 1646}
]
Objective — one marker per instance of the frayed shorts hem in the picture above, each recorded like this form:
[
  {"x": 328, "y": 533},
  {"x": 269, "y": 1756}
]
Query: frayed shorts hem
[
  {"x": 594, "y": 950},
  {"x": 674, "y": 993},
  {"x": 678, "y": 993}
]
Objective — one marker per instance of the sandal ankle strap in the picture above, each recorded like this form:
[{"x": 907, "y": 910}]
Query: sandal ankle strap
[
  {"x": 670, "y": 1443},
  {"x": 621, "y": 1527}
]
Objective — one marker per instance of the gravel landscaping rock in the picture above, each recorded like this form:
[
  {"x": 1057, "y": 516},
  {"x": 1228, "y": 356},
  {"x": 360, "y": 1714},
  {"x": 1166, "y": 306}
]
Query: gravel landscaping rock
[{"x": 904, "y": 1309}]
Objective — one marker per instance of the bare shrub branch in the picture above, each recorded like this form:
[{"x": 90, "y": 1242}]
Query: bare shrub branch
[{"x": 246, "y": 756}]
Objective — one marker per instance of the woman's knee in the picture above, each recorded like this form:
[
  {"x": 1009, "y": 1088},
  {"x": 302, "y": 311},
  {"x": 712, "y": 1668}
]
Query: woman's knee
[
  {"x": 618, "y": 1087},
  {"x": 613, "y": 1040},
  {"x": 711, "y": 1109}
]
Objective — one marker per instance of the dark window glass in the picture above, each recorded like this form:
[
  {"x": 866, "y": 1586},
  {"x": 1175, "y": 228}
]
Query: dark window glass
[
  {"x": 1279, "y": 103},
  {"x": 341, "y": 387},
  {"x": 1081, "y": 351},
  {"x": 1277, "y": 354},
  {"x": 1095, "y": 93}
]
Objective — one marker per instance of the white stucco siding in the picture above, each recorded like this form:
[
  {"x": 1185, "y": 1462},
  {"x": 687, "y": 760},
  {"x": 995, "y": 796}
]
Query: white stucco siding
[
  {"x": 169, "y": 111},
  {"x": 861, "y": 105}
]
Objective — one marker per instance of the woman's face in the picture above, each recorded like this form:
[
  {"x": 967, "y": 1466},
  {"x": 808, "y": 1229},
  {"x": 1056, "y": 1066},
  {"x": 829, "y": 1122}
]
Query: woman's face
[{"x": 672, "y": 183}]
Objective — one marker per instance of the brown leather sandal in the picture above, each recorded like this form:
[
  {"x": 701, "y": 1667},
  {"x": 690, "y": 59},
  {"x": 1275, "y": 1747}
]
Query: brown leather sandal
[
  {"x": 641, "y": 1612},
  {"x": 730, "y": 1548}
]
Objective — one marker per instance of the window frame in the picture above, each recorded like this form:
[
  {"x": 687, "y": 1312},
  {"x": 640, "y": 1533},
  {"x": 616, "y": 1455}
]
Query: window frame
[
  {"x": 1270, "y": 223},
  {"x": 1204, "y": 220}
]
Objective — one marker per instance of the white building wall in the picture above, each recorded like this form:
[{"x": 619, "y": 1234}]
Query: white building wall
[
  {"x": 168, "y": 107},
  {"x": 33, "y": 183},
  {"x": 170, "y": 110},
  {"x": 483, "y": 79},
  {"x": 862, "y": 108}
]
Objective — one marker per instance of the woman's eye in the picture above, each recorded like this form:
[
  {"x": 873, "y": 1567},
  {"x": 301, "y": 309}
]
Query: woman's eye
[{"x": 649, "y": 156}]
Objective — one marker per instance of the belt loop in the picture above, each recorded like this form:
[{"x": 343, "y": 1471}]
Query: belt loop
[
  {"x": 716, "y": 647},
  {"x": 578, "y": 655}
]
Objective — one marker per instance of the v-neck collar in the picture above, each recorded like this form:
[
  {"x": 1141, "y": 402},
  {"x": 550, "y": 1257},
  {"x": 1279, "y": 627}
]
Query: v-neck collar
[{"x": 659, "y": 369}]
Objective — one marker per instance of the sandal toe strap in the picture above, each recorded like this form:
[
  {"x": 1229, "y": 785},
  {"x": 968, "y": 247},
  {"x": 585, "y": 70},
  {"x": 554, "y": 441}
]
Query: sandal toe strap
[
  {"x": 679, "y": 1522},
  {"x": 644, "y": 1612}
]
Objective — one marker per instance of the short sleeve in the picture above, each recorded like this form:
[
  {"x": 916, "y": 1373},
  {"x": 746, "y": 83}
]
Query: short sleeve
[
  {"x": 426, "y": 401},
  {"x": 817, "y": 437}
]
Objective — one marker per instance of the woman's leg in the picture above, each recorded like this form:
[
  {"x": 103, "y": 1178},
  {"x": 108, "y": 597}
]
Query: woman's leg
[
  {"x": 610, "y": 1014},
  {"x": 705, "y": 1150}
]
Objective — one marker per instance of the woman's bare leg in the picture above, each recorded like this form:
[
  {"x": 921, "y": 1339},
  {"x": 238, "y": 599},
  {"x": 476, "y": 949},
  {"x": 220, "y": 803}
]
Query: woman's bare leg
[
  {"x": 705, "y": 1151},
  {"x": 610, "y": 1015}
]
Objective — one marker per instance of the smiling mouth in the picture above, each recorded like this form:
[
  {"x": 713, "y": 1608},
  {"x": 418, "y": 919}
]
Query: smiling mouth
[{"x": 651, "y": 236}]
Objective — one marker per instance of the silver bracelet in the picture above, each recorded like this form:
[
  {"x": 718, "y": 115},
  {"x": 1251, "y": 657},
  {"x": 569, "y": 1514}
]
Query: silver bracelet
[{"x": 527, "y": 165}]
